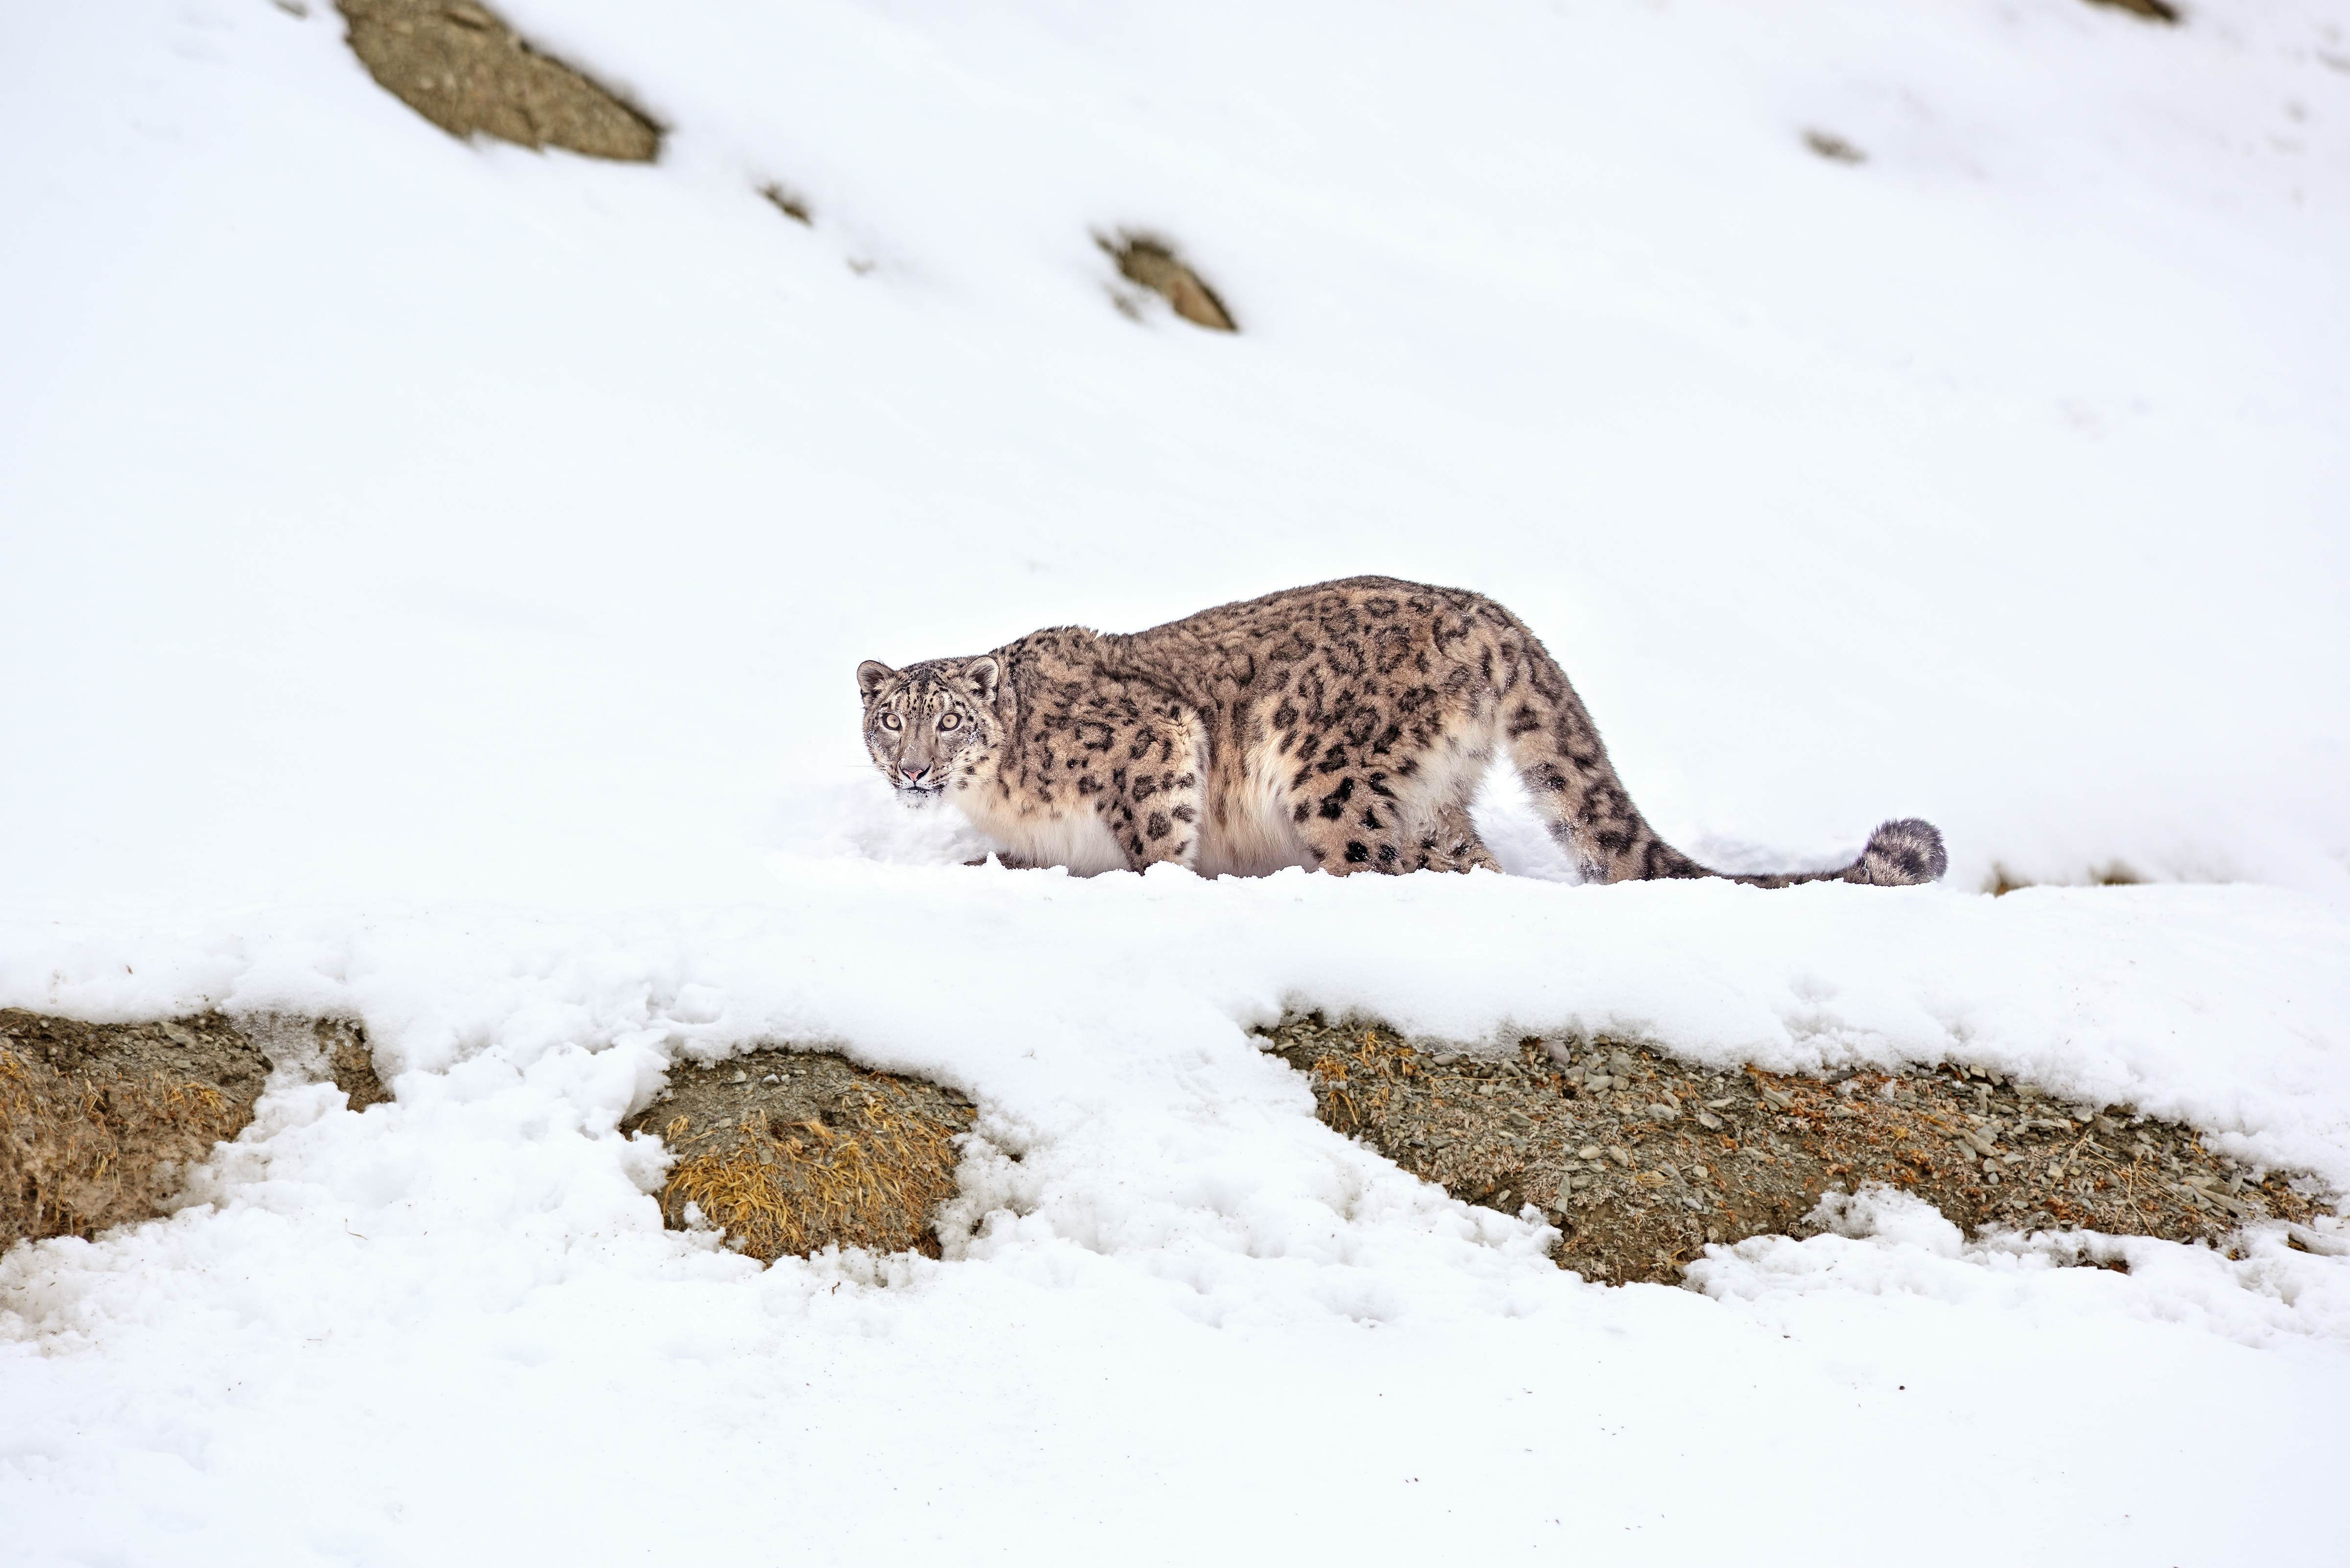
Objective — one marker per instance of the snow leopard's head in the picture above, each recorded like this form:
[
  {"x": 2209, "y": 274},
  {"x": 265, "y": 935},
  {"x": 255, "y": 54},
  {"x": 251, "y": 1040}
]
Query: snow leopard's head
[{"x": 932, "y": 727}]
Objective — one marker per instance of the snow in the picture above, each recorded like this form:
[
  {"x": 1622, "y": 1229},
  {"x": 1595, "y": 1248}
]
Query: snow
[{"x": 436, "y": 577}]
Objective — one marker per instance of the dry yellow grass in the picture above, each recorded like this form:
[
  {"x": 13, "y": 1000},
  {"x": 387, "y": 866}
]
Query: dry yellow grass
[
  {"x": 836, "y": 1155},
  {"x": 80, "y": 1153},
  {"x": 99, "y": 1122}
]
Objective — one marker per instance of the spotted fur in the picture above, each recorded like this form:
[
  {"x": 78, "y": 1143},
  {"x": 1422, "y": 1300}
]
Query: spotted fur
[{"x": 1343, "y": 727}]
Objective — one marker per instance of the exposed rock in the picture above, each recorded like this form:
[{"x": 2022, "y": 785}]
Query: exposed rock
[
  {"x": 793, "y": 1151},
  {"x": 1635, "y": 1195},
  {"x": 98, "y": 1122},
  {"x": 350, "y": 1063},
  {"x": 2152, "y": 10},
  {"x": 790, "y": 203},
  {"x": 1834, "y": 148},
  {"x": 461, "y": 66},
  {"x": 1152, "y": 262}
]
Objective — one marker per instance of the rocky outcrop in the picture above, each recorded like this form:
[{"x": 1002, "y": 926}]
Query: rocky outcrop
[
  {"x": 1152, "y": 263},
  {"x": 461, "y": 66}
]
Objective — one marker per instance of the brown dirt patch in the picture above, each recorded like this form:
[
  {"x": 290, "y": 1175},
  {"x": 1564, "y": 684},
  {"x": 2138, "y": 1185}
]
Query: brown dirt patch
[
  {"x": 461, "y": 66},
  {"x": 793, "y": 1151},
  {"x": 1152, "y": 262},
  {"x": 98, "y": 1122},
  {"x": 2003, "y": 881},
  {"x": 1641, "y": 1160}
]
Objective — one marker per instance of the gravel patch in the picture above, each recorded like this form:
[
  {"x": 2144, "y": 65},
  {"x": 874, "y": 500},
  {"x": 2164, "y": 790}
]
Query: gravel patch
[{"x": 1641, "y": 1160}]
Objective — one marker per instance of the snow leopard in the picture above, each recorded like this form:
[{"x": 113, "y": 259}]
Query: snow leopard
[{"x": 1342, "y": 727}]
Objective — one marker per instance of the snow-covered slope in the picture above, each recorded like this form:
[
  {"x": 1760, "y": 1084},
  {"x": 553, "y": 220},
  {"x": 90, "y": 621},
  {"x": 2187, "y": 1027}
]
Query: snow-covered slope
[
  {"x": 433, "y": 575},
  {"x": 456, "y": 520}
]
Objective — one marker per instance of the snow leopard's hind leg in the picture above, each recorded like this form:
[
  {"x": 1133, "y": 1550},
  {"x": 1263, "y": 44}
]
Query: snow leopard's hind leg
[
  {"x": 1368, "y": 819},
  {"x": 1156, "y": 787},
  {"x": 1451, "y": 844},
  {"x": 1352, "y": 819}
]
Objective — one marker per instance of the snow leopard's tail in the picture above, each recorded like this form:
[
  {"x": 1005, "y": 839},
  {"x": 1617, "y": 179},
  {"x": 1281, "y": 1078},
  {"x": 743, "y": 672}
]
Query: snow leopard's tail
[
  {"x": 1557, "y": 750},
  {"x": 1900, "y": 854}
]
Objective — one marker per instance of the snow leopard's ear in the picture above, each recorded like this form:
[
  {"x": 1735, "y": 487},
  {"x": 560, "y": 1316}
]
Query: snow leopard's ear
[
  {"x": 985, "y": 675},
  {"x": 871, "y": 675}
]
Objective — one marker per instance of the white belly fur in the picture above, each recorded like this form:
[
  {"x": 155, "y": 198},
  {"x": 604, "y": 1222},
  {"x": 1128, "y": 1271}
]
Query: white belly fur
[
  {"x": 1080, "y": 840},
  {"x": 1252, "y": 836}
]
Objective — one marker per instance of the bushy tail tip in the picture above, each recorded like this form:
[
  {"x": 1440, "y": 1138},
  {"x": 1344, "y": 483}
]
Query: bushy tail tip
[{"x": 1903, "y": 853}]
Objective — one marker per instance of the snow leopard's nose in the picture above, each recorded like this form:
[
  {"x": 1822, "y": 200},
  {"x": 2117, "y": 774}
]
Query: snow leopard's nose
[{"x": 913, "y": 775}]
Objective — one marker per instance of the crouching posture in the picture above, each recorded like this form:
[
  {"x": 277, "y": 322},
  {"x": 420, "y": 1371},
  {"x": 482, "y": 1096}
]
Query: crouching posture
[{"x": 1343, "y": 727}]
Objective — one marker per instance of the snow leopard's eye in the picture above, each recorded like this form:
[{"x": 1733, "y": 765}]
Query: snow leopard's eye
[
  {"x": 890, "y": 722},
  {"x": 950, "y": 720}
]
